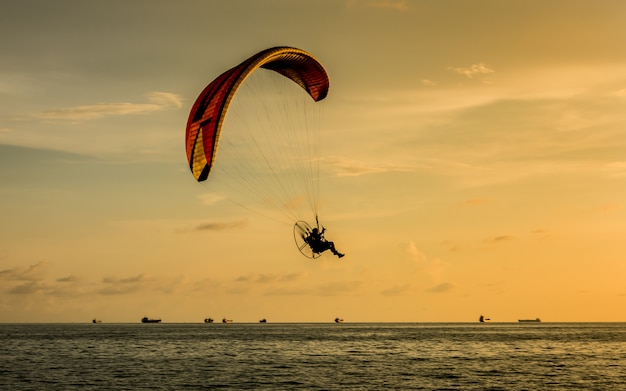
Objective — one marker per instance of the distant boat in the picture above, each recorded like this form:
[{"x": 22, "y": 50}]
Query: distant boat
[
  {"x": 96, "y": 321},
  {"x": 338, "y": 320},
  {"x": 208, "y": 320},
  {"x": 536, "y": 320},
  {"x": 145, "y": 319},
  {"x": 224, "y": 320},
  {"x": 263, "y": 320},
  {"x": 482, "y": 319}
]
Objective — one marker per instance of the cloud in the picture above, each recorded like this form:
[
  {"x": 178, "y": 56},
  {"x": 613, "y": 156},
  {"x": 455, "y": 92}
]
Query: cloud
[
  {"x": 432, "y": 268},
  {"x": 220, "y": 226},
  {"x": 486, "y": 243},
  {"x": 263, "y": 278},
  {"x": 119, "y": 286},
  {"x": 398, "y": 5},
  {"x": 441, "y": 288},
  {"x": 70, "y": 278},
  {"x": 174, "y": 284},
  {"x": 542, "y": 234},
  {"x": 472, "y": 70},
  {"x": 275, "y": 284},
  {"x": 32, "y": 281},
  {"x": 326, "y": 289},
  {"x": 211, "y": 198},
  {"x": 208, "y": 286},
  {"x": 157, "y": 101},
  {"x": 128, "y": 280},
  {"x": 33, "y": 273},
  {"x": 415, "y": 254},
  {"x": 452, "y": 245},
  {"x": 499, "y": 239},
  {"x": 28, "y": 288},
  {"x": 348, "y": 167},
  {"x": 165, "y": 99},
  {"x": 118, "y": 290}
]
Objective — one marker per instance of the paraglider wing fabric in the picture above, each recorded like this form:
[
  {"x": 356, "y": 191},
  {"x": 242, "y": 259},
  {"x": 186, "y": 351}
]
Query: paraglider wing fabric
[{"x": 208, "y": 112}]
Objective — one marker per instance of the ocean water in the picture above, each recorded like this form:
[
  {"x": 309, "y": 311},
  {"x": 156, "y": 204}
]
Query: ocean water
[{"x": 314, "y": 356}]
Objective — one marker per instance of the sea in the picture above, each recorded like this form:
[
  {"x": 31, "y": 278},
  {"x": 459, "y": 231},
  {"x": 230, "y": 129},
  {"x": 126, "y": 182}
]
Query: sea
[{"x": 313, "y": 356}]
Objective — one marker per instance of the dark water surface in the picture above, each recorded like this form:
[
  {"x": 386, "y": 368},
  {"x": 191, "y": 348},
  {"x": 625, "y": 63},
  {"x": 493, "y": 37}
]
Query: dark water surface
[{"x": 365, "y": 356}]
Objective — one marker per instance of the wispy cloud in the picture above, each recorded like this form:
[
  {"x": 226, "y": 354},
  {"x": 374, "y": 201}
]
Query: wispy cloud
[
  {"x": 269, "y": 278},
  {"x": 119, "y": 286},
  {"x": 174, "y": 284},
  {"x": 325, "y": 289},
  {"x": 142, "y": 282},
  {"x": 220, "y": 226},
  {"x": 349, "y": 167},
  {"x": 32, "y": 273},
  {"x": 414, "y": 253},
  {"x": 207, "y": 286},
  {"x": 71, "y": 278},
  {"x": 398, "y": 5},
  {"x": 484, "y": 244},
  {"x": 441, "y": 288},
  {"x": 541, "y": 233},
  {"x": 499, "y": 239},
  {"x": 472, "y": 70},
  {"x": 431, "y": 267},
  {"x": 452, "y": 245},
  {"x": 157, "y": 101},
  {"x": 30, "y": 287},
  {"x": 32, "y": 281},
  {"x": 292, "y": 284},
  {"x": 211, "y": 198}
]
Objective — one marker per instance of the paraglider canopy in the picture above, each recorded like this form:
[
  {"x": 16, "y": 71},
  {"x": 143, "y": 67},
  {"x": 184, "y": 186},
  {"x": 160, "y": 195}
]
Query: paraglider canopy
[{"x": 208, "y": 112}]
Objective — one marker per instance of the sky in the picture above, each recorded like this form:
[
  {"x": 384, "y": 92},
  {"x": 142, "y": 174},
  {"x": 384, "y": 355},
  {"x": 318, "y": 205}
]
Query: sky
[{"x": 474, "y": 163}]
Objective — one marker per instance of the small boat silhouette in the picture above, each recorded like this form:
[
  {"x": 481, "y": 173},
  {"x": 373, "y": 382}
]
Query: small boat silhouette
[{"x": 536, "y": 320}]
